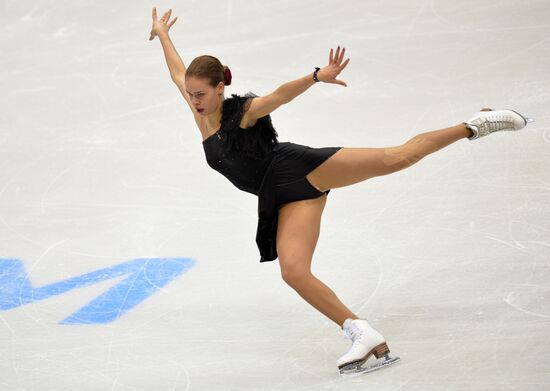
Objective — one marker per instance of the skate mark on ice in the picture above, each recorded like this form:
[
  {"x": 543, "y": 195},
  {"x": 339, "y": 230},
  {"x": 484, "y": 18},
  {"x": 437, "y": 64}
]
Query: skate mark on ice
[
  {"x": 508, "y": 300},
  {"x": 378, "y": 284}
]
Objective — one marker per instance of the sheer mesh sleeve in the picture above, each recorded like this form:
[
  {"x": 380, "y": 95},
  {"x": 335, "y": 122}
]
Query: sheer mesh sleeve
[
  {"x": 249, "y": 96},
  {"x": 247, "y": 104}
]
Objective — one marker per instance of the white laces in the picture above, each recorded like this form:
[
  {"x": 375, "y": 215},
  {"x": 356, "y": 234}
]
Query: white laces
[
  {"x": 352, "y": 332},
  {"x": 495, "y": 123}
]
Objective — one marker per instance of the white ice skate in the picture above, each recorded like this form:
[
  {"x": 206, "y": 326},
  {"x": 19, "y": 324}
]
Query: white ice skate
[
  {"x": 487, "y": 121},
  {"x": 366, "y": 341}
]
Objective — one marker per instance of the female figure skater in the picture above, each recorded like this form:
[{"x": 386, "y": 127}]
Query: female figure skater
[{"x": 292, "y": 181}]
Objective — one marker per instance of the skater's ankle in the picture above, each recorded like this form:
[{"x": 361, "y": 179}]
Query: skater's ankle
[
  {"x": 468, "y": 131},
  {"x": 353, "y": 317}
]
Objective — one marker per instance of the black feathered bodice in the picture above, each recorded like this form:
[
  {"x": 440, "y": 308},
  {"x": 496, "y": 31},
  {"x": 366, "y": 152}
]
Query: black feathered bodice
[
  {"x": 241, "y": 155},
  {"x": 254, "y": 161}
]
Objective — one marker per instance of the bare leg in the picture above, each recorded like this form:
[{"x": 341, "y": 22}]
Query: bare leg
[
  {"x": 297, "y": 234},
  {"x": 299, "y": 222},
  {"x": 353, "y": 165}
]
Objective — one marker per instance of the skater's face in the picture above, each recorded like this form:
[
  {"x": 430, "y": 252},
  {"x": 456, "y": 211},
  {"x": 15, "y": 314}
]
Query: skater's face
[{"x": 205, "y": 98}]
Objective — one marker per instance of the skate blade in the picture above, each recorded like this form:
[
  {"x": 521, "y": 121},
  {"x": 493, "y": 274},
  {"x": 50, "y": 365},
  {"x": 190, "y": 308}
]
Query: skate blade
[
  {"x": 358, "y": 369},
  {"x": 526, "y": 119}
]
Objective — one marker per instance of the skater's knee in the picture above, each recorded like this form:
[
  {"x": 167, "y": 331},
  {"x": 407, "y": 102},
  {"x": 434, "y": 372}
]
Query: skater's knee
[
  {"x": 294, "y": 275},
  {"x": 403, "y": 156},
  {"x": 419, "y": 147}
]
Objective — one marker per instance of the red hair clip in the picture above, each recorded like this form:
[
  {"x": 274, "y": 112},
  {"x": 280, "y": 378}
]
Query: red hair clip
[{"x": 227, "y": 76}]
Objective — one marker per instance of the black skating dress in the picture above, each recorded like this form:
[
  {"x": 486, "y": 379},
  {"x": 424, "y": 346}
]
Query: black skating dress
[{"x": 256, "y": 162}]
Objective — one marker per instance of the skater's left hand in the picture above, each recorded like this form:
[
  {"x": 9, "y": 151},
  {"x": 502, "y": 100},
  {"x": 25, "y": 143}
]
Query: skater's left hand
[{"x": 328, "y": 74}]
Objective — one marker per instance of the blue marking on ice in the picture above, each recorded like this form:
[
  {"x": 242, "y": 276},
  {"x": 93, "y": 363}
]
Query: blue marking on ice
[{"x": 145, "y": 277}]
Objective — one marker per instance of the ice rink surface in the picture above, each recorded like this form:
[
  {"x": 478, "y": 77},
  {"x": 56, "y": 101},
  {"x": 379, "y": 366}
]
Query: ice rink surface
[{"x": 129, "y": 264}]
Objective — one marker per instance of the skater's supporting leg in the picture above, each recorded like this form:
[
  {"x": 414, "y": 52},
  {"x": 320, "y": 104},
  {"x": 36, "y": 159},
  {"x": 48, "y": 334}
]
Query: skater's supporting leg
[
  {"x": 352, "y": 165},
  {"x": 297, "y": 234},
  {"x": 320, "y": 296}
]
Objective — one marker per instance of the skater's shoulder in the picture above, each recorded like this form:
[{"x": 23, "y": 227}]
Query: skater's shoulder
[{"x": 237, "y": 103}]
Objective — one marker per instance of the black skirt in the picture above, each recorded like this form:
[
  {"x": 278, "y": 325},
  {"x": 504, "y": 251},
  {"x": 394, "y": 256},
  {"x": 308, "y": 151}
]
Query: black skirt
[{"x": 285, "y": 181}]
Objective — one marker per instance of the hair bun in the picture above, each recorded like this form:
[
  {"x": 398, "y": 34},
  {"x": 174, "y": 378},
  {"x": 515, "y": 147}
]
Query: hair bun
[{"x": 227, "y": 76}]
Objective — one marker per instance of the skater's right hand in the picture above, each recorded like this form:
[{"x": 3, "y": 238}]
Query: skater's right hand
[{"x": 163, "y": 25}]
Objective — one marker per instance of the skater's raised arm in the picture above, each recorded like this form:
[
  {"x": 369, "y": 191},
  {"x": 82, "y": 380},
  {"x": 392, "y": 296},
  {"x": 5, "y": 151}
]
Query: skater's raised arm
[
  {"x": 264, "y": 105},
  {"x": 173, "y": 60},
  {"x": 160, "y": 29}
]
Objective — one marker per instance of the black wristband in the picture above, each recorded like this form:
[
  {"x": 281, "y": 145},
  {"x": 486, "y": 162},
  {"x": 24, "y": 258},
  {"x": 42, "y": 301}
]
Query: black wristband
[{"x": 315, "y": 74}]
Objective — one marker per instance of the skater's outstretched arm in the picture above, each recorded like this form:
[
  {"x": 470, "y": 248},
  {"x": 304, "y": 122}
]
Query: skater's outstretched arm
[
  {"x": 160, "y": 28},
  {"x": 264, "y": 105},
  {"x": 173, "y": 60}
]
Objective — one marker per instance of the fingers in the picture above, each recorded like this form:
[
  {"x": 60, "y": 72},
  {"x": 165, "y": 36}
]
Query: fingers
[
  {"x": 344, "y": 64},
  {"x": 165, "y": 16},
  {"x": 172, "y": 22},
  {"x": 337, "y": 66},
  {"x": 164, "y": 20},
  {"x": 338, "y": 57}
]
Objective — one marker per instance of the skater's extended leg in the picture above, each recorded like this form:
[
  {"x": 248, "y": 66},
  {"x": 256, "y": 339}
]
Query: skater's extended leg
[
  {"x": 297, "y": 233},
  {"x": 353, "y": 165}
]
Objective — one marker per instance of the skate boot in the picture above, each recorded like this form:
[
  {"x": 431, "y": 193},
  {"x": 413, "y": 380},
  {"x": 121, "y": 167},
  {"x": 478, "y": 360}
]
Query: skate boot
[
  {"x": 366, "y": 341},
  {"x": 487, "y": 121}
]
